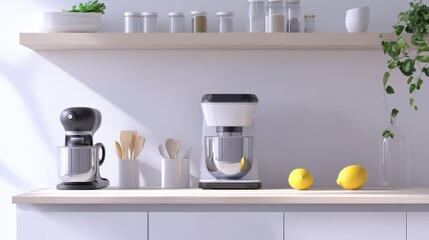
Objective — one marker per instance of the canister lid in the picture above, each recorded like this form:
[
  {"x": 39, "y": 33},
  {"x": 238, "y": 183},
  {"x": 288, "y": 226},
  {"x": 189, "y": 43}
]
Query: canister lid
[
  {"x": 198, "y": 13},
  {"x": 171, "y": 14},
  {"x": 229, "y": 98},
  {"x": 130, "y": 14},
  {"x": 149, "y": 14},
  {"x": 225, "y": 14}
]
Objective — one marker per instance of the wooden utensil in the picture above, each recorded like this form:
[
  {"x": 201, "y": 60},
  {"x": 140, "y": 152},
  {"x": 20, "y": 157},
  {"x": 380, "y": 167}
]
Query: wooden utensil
[
  {"x": 125, "y": 138},
  {"x": 187, "y": 154},
  {"x": 133, "y": 142},
  {"x": 138, "y": 147},
  {"x": 118, "y": 149},
  {"x": 172, "y": 147},
  {"x": 162, "y": 151}
]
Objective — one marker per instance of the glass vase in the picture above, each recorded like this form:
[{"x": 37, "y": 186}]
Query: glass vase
[{"x": 394, "y": 158}]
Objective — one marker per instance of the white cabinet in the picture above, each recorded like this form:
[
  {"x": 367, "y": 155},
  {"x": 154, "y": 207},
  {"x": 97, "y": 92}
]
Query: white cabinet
[
  {"x": 345, "y": 225},
  {"x": 82, "y": 225},
  {"x": 216, "y": 225},
  {"x": 417, "y": 225}
]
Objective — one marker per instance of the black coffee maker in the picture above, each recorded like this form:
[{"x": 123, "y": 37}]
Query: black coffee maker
[{"x": 79, "y": 159}]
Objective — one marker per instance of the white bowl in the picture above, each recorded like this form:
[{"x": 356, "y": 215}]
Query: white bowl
[
  {"x": 357, "y": 26},
  {"x": 71, "y": 22},
  {"x": 359, "y": 9}
]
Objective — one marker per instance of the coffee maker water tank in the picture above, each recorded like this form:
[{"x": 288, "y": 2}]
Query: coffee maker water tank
[{"x": 80, "y": 124}]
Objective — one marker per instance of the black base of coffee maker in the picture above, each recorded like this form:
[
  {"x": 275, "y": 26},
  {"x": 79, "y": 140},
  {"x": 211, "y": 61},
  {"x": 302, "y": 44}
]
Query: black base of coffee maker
[{"x": 100, "y": 183}]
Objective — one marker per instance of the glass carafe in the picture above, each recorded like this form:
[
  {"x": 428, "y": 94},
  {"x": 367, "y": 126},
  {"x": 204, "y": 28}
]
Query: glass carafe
[{"x": 394, "y": 158}]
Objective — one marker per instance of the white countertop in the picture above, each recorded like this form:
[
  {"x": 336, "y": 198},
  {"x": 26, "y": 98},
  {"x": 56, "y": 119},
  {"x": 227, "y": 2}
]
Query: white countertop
[{"x": 198, "y": 196}]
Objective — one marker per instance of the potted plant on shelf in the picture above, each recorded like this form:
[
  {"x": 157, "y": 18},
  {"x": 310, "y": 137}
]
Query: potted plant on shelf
[
  {"x": 409, "y": 53},
  {"x": 91, "y": 6}
]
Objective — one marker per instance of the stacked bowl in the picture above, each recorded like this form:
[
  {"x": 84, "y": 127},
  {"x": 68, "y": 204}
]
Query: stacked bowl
[
  {"x": 71, "y": 22},
  {"x": 357, "y": 19}
]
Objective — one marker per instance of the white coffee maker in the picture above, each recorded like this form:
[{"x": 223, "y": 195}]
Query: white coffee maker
[{"x": 228, "y": 158}]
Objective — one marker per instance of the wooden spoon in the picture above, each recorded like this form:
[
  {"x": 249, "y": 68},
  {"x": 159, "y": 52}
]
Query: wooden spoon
[
  {"x": 172, "y": 147},
  {"x": 138, "y": 146},
  {"x": 162, "y": 151},
  {"x": 133, "y": 142},
  {"x": 118, "y": 149},
  {"x": 125, "y": 138}
]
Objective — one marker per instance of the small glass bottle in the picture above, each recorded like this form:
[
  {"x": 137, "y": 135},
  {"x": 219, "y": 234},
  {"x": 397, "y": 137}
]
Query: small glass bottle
[
  {"x": 310, "y": 23},
  {"x": 199, "y": 21},
  {"x": 394, "y": 158},
  {"x": 293, "y": 9},
  {"x": 256, "y": 22},
  {"x": 177, "y": 22},
  {"x": 133, "y": 22},
  {"x": 225, "y": 21},
  {"x": 150, "y": 24},
  {"x": 275, "y": 19}
]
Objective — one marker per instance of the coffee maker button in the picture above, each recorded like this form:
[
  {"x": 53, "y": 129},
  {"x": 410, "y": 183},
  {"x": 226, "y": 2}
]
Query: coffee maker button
[{"x": 70, "y": 116}]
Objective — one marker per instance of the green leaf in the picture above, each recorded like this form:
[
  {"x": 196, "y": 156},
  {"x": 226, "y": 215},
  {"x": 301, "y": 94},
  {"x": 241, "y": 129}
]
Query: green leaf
[
  {"x": 425, "y": 70},
  {"x": 409, "y": 80},
  {"x": 419, "y": 83},
  {"x": 422, "y": 59},
  {"x": 387, "y": 134},
  {"x": 390, "y": 90},
  {"x": 407, "y": 67},
  {"x": 386, "y": 78},
  {"x": 416, "y": 108},
  {"x": 401, "y": 44},
  {"x": 398, "y": 29},
  {"x": 391, "y": 64},
  {"x": 412, "y": 88},
  {"x": 418, "y": 40},
  {"x": 423, "y": 48},
  {"x": 411, "y": 101},
  {"x": 394, "y": 112}
]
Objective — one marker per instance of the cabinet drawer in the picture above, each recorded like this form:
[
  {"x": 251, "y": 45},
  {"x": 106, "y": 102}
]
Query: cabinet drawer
[
  {"x": 345, "y": 225},
  {"x": 82, "y": 225},
  {"x": 418, "y": 225},
  {"x": 215, "y": 225}
]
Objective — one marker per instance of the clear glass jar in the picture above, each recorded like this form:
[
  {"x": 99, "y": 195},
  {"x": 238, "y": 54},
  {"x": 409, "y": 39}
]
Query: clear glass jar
[
  {"x": 225, "y": 21},
  {"x": 293, "y": 10},
  {"x": 394, "y": 158},
  {"x": 133, "y": 22},
  {"x": 309, "y": 23},
  {"x": 177, "y": 22},
  {"x": 275, "y": 19},
  {"x": 150, "y": 22},
  {"x": 199, "y": 21},
  {"x": 256, "y": 22}
]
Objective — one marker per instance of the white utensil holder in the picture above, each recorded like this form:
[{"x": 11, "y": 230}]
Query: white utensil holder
[
  {"x": 175, "y": 173},
  {"x": 129, "y": 173}
]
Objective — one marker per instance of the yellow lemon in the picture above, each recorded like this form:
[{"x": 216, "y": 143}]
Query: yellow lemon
[
  {"x": 300, "y": 179},
  {"x": 352, "y": 177}
]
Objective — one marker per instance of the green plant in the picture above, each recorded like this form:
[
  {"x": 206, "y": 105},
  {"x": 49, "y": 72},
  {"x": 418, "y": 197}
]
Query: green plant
[
  {"x": 91, "y": 6},
  {"x": 414, "y": 65}
]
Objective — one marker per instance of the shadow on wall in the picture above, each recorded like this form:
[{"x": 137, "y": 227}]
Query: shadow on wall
[{"x": 9, "y": 176}]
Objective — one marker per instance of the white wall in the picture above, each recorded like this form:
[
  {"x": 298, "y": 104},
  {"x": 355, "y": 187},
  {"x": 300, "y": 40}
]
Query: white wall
[{"x": 321, "y": 110}]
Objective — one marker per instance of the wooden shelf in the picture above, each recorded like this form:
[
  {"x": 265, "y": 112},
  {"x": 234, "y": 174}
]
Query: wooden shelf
[
  {"x": 199, "y": 196},
  {"x": 201, "y": 41}
]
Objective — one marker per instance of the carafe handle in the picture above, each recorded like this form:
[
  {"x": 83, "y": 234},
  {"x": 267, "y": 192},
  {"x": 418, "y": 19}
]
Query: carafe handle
[{"x": 103, "y": 153}]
